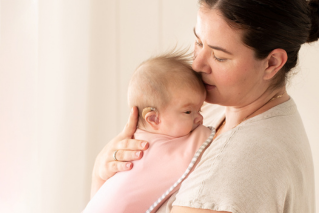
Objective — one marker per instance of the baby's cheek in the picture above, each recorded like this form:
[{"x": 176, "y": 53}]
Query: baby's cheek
[{"x": 184, "y": 129}]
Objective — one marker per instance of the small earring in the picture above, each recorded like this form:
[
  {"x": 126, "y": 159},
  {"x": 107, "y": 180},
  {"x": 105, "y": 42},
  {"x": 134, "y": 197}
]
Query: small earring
[{"x": 146, "y": 110}]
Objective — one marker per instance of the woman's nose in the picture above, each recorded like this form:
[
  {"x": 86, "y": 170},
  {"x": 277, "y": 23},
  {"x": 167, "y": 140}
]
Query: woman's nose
[{"x": 200, "y": 62}]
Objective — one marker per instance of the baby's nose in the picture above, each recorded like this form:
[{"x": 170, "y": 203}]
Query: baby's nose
[{"x": 198, "y": 119}]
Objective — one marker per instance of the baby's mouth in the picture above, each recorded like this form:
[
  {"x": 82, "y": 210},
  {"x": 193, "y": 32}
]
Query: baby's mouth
[{"x": 197, "y": 125}]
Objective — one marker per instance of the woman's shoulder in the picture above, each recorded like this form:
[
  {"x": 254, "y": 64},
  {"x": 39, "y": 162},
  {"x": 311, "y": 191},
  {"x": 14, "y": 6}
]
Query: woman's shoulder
[
  {"x": 281, "y": 125},
  {"x": 213, "y": 113},
  {"x": 275, "y": 135},
  {"x": 251, "y": 167}
]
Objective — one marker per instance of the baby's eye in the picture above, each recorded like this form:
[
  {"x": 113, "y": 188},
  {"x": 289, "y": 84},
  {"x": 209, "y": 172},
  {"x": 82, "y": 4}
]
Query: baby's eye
[{"x": 188, "y": 112}]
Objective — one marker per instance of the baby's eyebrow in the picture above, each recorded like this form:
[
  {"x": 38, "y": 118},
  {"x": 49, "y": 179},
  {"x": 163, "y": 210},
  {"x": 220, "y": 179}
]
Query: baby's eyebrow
[
  {"x": 187, "y": 105},
  {"x": 213, "y": 47}
]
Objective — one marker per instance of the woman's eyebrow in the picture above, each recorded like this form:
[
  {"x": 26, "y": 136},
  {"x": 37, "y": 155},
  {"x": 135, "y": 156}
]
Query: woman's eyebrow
[{"x": 214, "y": 47}]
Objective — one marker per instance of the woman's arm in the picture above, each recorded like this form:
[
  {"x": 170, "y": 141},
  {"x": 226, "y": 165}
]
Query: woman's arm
[
  {"x": 128, "y": 150},
  {"x": 182, "y": 209}
]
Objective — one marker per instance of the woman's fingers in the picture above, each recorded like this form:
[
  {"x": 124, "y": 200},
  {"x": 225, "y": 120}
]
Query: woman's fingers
[
  {"x": 127, "y": 155},
  {"x": 113, "y": 167},
  {"x": 131, "y": 144},
  {"x": 124, "y": 141},
  {"x": 130, "y": 126},
  {"x": 126, "y": 150},
  {"x": 116, "y": 166}
]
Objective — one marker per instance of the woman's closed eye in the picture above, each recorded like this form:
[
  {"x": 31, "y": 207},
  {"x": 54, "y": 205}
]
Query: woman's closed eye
[
  {"x": 200, "y": 44},
  {"x": 218, "y": 59}
]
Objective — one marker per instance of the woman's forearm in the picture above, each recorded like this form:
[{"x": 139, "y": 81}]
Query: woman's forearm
[{"x": 97, "y": 181}]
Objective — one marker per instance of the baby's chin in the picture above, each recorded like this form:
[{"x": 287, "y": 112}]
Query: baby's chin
[
  {"x": 180, "y": 134},
  {"x": 195, "y": 127}
]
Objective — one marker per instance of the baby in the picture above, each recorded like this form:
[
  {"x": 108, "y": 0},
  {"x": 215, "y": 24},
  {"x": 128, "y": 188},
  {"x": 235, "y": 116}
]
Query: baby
[{"x": 169, "y": 96}]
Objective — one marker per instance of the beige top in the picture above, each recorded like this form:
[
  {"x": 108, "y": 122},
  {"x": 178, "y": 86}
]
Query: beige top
[{"x": 263, "y": 165}]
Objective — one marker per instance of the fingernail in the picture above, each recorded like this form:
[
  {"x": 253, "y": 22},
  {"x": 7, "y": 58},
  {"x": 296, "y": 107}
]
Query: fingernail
[
  {"x": 128, "y": 165},
  {"x": 143, "y": 144},
  {"x": 138, "y": 154},
  {"x": 132, "y": 110}
]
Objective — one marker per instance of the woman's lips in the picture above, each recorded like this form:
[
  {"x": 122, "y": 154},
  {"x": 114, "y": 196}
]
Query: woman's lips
[{"x": 209, "y": 87}]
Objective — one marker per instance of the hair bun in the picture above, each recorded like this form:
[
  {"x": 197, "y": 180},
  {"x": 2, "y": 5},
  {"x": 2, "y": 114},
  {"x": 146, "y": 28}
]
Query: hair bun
[{"x": 314, "y": 15}]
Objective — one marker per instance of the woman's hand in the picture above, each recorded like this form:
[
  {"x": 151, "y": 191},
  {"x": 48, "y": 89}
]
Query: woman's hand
[{"x": 128, "y": 150}]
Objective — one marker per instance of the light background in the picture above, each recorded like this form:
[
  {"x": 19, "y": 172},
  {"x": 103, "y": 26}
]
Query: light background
[{"x": 64, "y": 70}]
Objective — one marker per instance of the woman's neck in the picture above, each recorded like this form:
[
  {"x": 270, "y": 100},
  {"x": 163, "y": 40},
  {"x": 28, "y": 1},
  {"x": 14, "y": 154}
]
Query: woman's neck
[{"x": 235, "y": 115}]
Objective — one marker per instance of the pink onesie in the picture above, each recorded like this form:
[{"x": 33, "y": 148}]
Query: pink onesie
[{"x": 161, "y": 166}]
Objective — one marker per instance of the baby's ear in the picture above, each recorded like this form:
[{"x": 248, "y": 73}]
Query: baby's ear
[{"x": 152, "y": 118}]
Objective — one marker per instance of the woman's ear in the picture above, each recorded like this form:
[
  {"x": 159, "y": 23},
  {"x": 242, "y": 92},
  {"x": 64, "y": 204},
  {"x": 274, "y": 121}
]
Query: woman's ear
[
  {"x": 152, "y": 118},
  {"x": 275, "y": 61}
]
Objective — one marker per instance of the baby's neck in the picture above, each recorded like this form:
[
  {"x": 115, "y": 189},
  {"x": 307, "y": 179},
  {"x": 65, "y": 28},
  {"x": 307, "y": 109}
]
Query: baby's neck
[{"x": 148, "y": 129}]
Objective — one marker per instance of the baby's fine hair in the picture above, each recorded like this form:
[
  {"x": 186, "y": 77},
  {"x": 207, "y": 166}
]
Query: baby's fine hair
[{"x": 156, "y": 79}]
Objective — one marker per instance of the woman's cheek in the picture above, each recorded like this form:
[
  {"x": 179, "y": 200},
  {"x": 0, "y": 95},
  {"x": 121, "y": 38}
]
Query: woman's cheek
[
  {"x": 223, "y": 78},
  {"x": 227, "y": 75}
]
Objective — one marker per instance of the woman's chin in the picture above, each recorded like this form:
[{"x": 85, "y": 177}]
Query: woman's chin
[{"x": 210, "y": 99}]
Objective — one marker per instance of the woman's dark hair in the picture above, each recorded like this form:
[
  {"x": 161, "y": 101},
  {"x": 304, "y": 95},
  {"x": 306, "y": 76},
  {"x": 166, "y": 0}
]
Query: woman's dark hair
[{"x": 272, "y": 24}]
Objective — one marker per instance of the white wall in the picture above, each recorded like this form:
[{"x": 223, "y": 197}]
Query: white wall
[
  {"x": 44, "y": 100},
  {"x": 304, "y": 89},
  {"x": 18, "y": 97},
  {"x": 64, "y": 70}
]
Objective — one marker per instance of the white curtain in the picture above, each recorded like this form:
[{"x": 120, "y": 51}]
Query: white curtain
[
  {"x": 64, "y": 69},
  {"x": 44, "y": 103}
]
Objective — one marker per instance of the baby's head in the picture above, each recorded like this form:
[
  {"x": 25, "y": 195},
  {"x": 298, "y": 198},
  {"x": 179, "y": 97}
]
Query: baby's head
[{"x": 168, "y": 94}]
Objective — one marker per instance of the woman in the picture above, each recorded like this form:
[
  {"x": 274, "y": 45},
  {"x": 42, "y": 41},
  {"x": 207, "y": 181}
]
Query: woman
[{"x": 260, "y": 158}]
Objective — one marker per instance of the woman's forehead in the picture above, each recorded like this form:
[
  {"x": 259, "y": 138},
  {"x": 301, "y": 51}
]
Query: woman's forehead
[{"x": 212, "y": 29}]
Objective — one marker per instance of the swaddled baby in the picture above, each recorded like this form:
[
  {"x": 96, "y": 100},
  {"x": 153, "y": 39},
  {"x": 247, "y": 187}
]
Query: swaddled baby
[{"x": 169, "y": 96}]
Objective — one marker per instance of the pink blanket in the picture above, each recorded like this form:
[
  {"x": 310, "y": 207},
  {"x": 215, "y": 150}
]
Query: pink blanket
[{"x": 161, "y": 166}]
